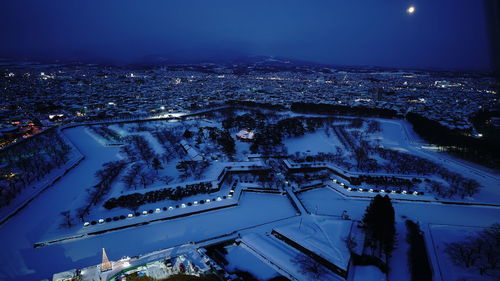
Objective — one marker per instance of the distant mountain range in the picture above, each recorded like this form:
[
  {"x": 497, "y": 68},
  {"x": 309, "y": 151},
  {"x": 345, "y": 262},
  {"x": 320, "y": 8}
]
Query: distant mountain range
[{"x": 227, "y": 59}]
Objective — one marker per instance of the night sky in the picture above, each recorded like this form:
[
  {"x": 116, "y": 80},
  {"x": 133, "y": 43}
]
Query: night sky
[{"x": 442, "y": 34}]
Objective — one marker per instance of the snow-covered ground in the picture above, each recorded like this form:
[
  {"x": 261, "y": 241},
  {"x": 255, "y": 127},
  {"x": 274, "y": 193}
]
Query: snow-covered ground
[
  {"x": 282, "y": 257},
  {"x": 241, "y": 259},
  {"x": 322, "y": 236},
  {"x": 369, "y": 272},
  {"x": 255, "y": 216},
  {"x": 398, "y": 260},
  {"x": 442, "y": 234},
  {"x": 313, "y": 143}
]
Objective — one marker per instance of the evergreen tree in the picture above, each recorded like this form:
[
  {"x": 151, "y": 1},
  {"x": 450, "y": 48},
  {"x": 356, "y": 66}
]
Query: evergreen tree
[
  {"x": 370, "y": 221},
  {"x": 388, "y": 228},
  {"x": 379, "y": 221}
]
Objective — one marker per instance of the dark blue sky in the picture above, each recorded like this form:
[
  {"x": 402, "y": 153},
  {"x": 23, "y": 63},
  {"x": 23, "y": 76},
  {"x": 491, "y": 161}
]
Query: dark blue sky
[{"x": 449, "y": 34}]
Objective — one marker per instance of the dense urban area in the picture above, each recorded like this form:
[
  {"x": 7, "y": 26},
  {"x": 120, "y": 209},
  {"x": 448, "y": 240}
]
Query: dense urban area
[{"x": 33, "y": 93}]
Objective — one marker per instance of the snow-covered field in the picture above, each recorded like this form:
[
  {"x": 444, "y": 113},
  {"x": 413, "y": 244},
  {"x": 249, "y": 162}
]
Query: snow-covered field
[
  {"x": 312, "y": 143},
  {"x": 254, "y": 216},
  {"x": 240, "y": 259},
  {"x": 442, "y": 234}
]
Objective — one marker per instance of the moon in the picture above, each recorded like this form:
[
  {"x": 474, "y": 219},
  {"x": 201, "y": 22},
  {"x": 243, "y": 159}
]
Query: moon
[{"x": 410, "y": 10}]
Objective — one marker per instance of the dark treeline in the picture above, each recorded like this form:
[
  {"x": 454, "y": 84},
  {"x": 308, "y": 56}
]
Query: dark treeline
[
  {"x": 255, "y": 120},
  {"x": 484, "y": 151},
  {"x": 333, "y": 109},
  {"x": 223, "y": 138},
  {"x": 384, "y": 181},
  {"x": 482, "y": 122},
  {"x": 134, "y": 200},
  {"x": 29, "y": 161},
  {"x": 255, "y": 104}
]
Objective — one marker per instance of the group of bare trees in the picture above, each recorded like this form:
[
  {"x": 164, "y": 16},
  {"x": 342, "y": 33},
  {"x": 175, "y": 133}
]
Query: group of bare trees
[
  {"x": 29, "y": 161},
  {"x": 169, "y": 139},
  {"x": 310, "y": 267},
  {"x": 192, "y": 168},
  {"x": 362, "y": 154},
  {"x": 105, "y": 177},
  {"x": 140, "y": 146},
  {"x": 480, "y": 252},
  {"x": 138, "y": 175},
  {"x": 304, "y": 178},
  {"x": 403, "y": 163},
  {"x": 105, "y": 132}
]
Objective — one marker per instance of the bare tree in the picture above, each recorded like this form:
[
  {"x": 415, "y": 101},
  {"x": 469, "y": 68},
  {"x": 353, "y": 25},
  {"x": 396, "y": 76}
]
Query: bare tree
[
  {"x": 67, "y": 220},
  {"x": 131, "y": 177},
  {"x": 481, "y": 251},
  {"x": 309, "y": 266},
  {"x": 147, "y": 177}
]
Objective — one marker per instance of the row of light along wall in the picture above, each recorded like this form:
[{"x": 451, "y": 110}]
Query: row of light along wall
[
  {"x": 158, "y": 210},
  {"x": 371, "y": 190}
]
